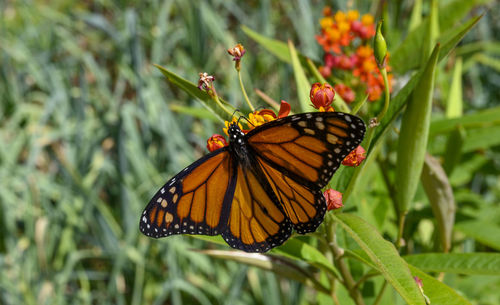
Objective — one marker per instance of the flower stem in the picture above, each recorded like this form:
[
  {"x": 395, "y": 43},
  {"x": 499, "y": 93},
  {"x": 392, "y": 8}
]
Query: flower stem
[
  {"x": 215, "y": 97},
  {"x": 401, "y": 225},
  {"x": 245, "y": 92},
  {"x": 380, "y": 294},
  {"x": 387, "y": 94},
  {"x": 348, "y": 280}
]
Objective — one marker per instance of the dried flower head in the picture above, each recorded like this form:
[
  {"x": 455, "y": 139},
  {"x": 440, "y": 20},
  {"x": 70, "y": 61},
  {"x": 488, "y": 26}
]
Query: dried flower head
[
  {"x": 355, "y": 157},
  {"x": 333, "y": 199}
]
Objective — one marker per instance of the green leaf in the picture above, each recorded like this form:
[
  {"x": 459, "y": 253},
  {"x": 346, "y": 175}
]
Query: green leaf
[
  {"x": 303, "y": 85},
  {"x": 297, "y": 249},
  {"x": 416, "y": 15},
  {"x": 276, "y": 264},
  {"x": 454, "y": 103},
  {"x": 481, "y": 119},
  {"x": 384, "y": 256},
  {"x": 454, "y": 148},
  {"x": 460, "y": 263},
  {"x": 202, "y": 96},
  {"x": 276, "y": 47},
  {"x": 404, "y": 58},
  {"x": 438, "y": 292},
  {"x": 451, "y": 38},
  {"x": 481, "y": 138},
  {"x": 200, "y": 113},
  {"x": 414, "y": 135},
  {"x": 440, "y": 195},
  {"x": 485, "y": 232}
]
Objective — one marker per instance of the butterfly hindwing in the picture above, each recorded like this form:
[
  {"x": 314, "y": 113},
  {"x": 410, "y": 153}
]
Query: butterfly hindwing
[
  {"x": 256, "y": 221},
  {"x": 305, "y": 207},
  {"x": 195, "y": 201}
]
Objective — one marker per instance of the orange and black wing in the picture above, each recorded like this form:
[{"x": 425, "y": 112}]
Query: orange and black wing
[
  {"x": 257, "y": 222},
  {"x": 299, "y": 154},
  {"x": 195, "y": 201}
]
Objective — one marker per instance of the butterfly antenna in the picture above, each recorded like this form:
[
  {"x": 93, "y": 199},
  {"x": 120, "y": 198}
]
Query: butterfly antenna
[
  {"x": 244, "y": 117},
  {"x": 236, "y": 110}
]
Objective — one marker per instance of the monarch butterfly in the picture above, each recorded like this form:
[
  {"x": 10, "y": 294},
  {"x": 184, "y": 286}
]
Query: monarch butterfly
[{"x": 260, "y": 186}]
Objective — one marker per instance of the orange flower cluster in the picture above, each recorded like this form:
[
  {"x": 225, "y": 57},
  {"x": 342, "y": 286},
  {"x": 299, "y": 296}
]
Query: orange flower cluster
[{"x": 346, "y": 37}]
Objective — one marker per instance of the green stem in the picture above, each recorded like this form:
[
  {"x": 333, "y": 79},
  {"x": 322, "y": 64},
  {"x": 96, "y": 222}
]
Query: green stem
[
  {"x": 358, "y": 105},
  {"x": 215, "y": 97},
  {"x": 380, "y": 294},
  {"x": 245, "y": 92},
  {"x": 401, "y": 225},
  {"x": 387, "y": 94},
  {"x": 348, "y": 282}
]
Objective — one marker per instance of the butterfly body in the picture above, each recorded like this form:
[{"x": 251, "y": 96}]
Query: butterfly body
[{"x": 260, "y": 186}]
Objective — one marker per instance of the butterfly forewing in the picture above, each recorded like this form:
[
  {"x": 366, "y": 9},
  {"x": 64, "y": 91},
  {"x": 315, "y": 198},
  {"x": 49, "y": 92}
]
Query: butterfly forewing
[
  {"x": 195, "y": 201},
  {"x": 308, "y": 147}
]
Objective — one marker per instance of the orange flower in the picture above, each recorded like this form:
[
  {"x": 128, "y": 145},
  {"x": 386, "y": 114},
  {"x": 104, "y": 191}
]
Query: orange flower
[
  {"x": 321, "y": 95},
  {"x": 355, "y": 157},
  {"x": 215, "y": 142},
  {"x": 263, "y": 116},
  {"x": 333, "y": 199}
]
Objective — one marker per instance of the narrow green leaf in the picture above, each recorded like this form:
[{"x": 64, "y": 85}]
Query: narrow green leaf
[
  {"x": 460, "y": 263},
  {"x": 480, "y": 119},
  {"x": 200, "y": 113},
  {"x": 452, "y": 37},
  {"x": 488, "y": 61},
  {"x": 202, "y": 96},
  {"x": 440, "y": 195},
  {"x": 438, "y": 292},
  {"x": 413, "y": 136},
  {"x": 454, "y": 148},
  {"x": 485, "y": 232},
  {"x": 454, "y": 103},
  {"x": 416, "y": 15},
  {"x": 431, "y": 33},
  {"x": 297, "y": 249},
  {"x": 303, "y": 85},
  {"x": 276, "y": 264},
  {"x": 404, "y": 57},
  {"x": 481, "y": 138},
  {"x": 276, "y": 47},
  {"x": 384, "y": 255}
]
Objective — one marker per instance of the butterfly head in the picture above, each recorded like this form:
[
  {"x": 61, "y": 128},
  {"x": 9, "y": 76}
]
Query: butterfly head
[{"x": 235, "y": 133}]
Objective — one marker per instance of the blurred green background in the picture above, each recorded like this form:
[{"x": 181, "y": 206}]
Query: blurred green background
[{"x": 88, "y": 133}]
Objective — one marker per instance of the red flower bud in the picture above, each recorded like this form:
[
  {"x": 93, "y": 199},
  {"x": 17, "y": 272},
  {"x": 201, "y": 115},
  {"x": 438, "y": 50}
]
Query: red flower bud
[
  {"x": 355, "y": 157},
  {"x": 321, "y": 95},
  {"x": 215, "y": 142},
  {"x": 333, "y": 199}
]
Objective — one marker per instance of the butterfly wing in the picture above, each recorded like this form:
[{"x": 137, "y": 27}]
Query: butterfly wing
[
  {"x": 299, "y": 154},
  {"x": 256, "y": 222},
  {"x": 195, "y": 201}
]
